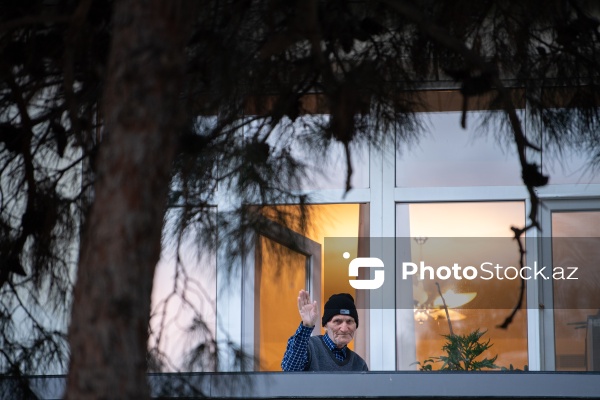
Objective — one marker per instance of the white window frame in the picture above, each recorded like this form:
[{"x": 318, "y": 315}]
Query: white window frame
[
  {"x": 385, "y": 349},
  {"x": 585, "y": 198}
]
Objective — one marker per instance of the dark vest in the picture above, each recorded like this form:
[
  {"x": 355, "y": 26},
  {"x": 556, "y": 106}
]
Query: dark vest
[{"x": 320, "y": 358}]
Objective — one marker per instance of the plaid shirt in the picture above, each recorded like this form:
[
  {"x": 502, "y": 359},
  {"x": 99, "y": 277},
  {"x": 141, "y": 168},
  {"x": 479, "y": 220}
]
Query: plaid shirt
[
  {"x": 340, "y": 354},
  {"x": 296, "y": 353}
]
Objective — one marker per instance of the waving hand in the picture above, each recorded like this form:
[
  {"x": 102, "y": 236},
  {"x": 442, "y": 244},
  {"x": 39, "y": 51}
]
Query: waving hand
[{"x": 309, "y": 311}]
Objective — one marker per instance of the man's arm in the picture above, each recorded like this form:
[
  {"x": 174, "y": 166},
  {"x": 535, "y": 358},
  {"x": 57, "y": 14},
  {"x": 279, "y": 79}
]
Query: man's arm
[{"x": 296, "y": 353}]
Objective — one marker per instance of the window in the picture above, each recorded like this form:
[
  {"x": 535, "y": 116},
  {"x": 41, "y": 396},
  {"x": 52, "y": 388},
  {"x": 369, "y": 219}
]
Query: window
[
  {"x": 455, "y": 185},
  {"x": 573, "y": 305},
  {"x": 473, "y": 235},
  {"x": 282, "y": 262}
]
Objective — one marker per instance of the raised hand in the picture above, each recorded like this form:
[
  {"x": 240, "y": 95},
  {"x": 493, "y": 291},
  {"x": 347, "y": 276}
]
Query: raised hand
[{"x": 309, "y": 311}]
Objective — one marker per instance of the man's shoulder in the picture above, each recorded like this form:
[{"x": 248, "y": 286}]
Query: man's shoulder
[{"x": 315, "y": 339}]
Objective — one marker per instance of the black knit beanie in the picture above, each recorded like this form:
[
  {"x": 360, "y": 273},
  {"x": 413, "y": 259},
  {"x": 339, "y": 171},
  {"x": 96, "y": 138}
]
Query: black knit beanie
[{"x": 339, "y": 304}]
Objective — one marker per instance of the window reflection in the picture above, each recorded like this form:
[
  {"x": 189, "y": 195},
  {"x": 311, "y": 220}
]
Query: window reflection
[
  {"x": 183, "y": 317},
  {"x": 569, "y": 166},
  {"x": 448, "y": 155},
  {"x": 325, "y": 163}
]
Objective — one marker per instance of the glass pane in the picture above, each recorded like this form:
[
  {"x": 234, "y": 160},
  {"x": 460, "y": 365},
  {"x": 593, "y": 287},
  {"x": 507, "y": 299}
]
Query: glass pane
[
  {"x": 280, "y": 273},
  {"x": 576, "y": 244},
  {"x": 461, "y": 246},
  {"x": 570, "y": 167},
  {"x": 451, "y": 156},
  {"x": 326, "y": 167},
  {"x": 183, "y": 319}
]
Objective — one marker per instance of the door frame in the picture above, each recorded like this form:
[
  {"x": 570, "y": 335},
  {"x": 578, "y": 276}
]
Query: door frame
[{"x": 292, "y": 240}]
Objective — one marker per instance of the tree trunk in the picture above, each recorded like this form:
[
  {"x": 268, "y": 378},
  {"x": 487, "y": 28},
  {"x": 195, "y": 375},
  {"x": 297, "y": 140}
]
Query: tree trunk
[{"x": 121, "y": 244}]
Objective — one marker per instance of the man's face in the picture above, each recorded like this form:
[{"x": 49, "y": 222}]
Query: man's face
[{"x": 340, "y": 330}]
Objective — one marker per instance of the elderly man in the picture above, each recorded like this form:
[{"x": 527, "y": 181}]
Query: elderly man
[{"x": 328, "y": 352}]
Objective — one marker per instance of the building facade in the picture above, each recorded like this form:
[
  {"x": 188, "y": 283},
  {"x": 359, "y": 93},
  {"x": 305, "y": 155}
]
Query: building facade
[{"x": 448, "y": 200}]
